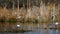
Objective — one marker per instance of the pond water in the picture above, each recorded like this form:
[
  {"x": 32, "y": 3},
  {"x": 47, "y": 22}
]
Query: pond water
[
  {"x": 36, "y": 29},
  {"x": 41, "y": 32}
]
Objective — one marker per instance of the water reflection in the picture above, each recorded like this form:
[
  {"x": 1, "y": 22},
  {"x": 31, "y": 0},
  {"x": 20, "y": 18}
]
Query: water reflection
[
  {"x": 35, "y": 27},
  {"x": 42, "y": 32}
]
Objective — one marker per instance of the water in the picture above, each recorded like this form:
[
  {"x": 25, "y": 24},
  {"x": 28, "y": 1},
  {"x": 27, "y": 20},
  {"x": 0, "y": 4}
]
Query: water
[
  {"x": 36, "y": 30},
  {"x": 41, "y": 32}
]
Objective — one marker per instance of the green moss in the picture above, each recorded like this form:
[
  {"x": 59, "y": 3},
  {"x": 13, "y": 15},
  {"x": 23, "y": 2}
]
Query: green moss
[
  {"x": 24, "y": 20},
  {"x": 30, "y": 20},
  {"x": 35, "y": 21},
  {"x": 2, "y": 20},
  {"x": 43, "y": 20},
  {"x": 12, "y": 21}
]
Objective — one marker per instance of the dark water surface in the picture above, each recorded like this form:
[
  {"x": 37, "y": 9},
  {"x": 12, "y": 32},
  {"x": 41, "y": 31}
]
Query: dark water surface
[{"x": 41, "y": 32}]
